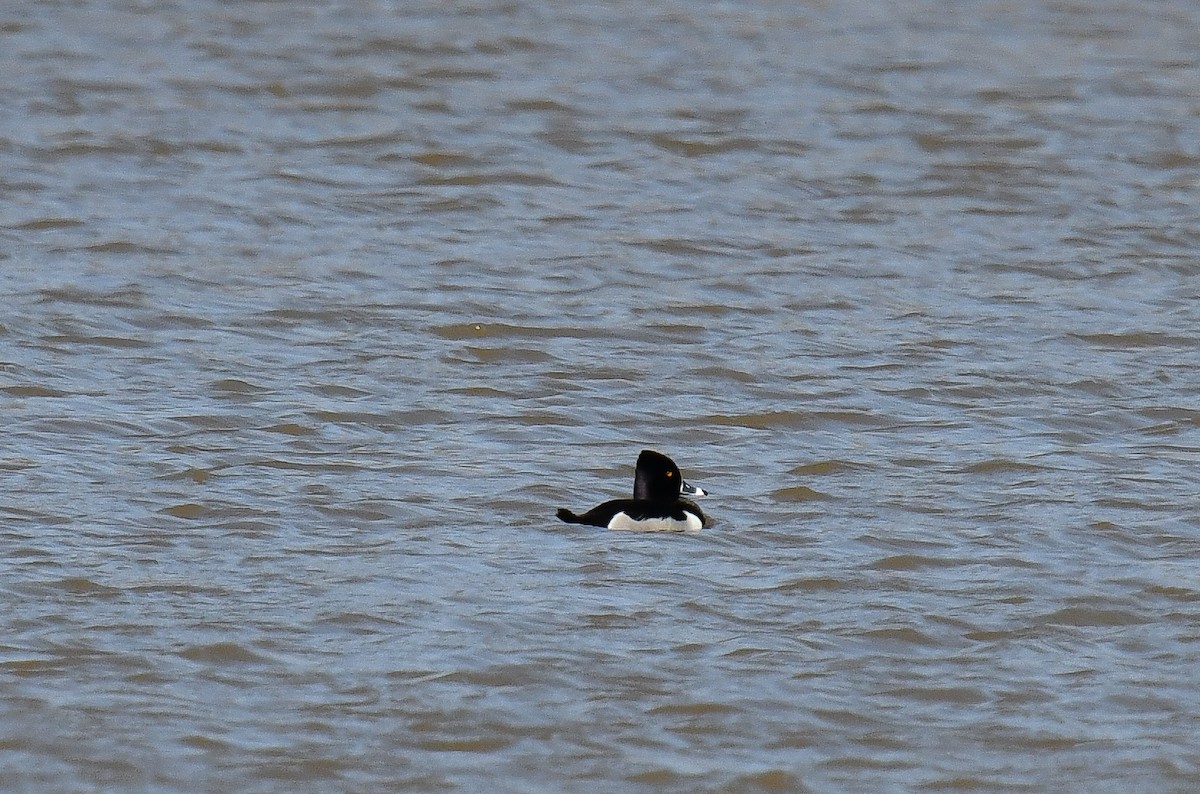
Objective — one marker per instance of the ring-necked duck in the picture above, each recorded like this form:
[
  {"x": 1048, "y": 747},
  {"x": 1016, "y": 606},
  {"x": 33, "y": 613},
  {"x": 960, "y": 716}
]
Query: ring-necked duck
[{"x": 657, "y": 502}]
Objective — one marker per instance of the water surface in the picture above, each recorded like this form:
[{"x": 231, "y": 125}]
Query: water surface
[{"x": 314, "y": 313}]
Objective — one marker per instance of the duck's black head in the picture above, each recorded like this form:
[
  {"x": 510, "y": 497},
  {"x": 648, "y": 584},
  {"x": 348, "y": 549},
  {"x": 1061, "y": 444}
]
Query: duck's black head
[{"x": 658, "y": 479}]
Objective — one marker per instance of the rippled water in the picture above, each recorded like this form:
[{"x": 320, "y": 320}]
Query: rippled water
[{"x": 314, "y": 313}]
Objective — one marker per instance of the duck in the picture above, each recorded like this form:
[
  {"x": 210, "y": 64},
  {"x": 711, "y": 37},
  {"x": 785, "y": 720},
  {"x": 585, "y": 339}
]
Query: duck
[{"x": 658, "y": 502}]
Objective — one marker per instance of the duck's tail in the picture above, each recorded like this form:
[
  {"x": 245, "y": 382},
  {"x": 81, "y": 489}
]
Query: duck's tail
[{"x": 566, "y": 515}]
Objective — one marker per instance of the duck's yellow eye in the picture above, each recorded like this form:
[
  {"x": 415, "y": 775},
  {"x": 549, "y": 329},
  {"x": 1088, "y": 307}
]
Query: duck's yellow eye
[{"x": 670, "y": 474}]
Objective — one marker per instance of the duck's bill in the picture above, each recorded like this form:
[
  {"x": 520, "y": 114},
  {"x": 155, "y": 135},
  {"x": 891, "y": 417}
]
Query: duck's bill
[{"x": 691, "y": 490}]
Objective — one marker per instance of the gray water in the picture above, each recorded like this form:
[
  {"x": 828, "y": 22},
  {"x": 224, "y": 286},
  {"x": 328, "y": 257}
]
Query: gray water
[{"x": 314, "y": 314}]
